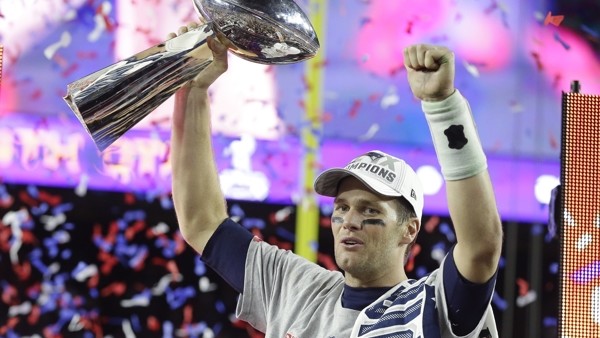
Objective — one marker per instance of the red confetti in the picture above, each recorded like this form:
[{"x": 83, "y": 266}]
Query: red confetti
[
  {"x": 72, "y": 68},
  {"x": 87, "y": 55},
  {"x": 22, "y": 271},
  {"x": 173, "y": 269},
  {"x": 325, "y": 222},
  {"x": 409, "y": 27},
  {"x": 553, "y": 19},
  {"x": 131, "y": 231},
  {"x": 116, "y": 288},
  {"x": 523, "y": 286},
  {"x": 354, "y": 109},
  {"x": 553, "y": 141},
  {"x": 34, "y": 316},
  {"x": 326, "y": 117},
  {"x": 25, "y": 198},
  {"x": 52, "y": 200},
  {"x": 414, "y": 251},
  {"x": 538, "y": 61},
  {"x": 129, "y": 199},
  {"x": 374, "y": 97},
  {"x": 188, "y": 314},
  {"x": 432, "y": 223},
  {"x": 153, "y": 323},
  {"x": 327, "y": 261}
]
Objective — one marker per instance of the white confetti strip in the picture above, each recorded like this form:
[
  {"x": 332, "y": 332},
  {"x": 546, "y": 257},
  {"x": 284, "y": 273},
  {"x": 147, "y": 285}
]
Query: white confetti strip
[{"x": 65, "y": 41}]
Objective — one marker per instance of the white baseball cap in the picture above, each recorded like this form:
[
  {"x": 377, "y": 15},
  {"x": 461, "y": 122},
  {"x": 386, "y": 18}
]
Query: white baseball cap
[{"x": 382, "y": 173}]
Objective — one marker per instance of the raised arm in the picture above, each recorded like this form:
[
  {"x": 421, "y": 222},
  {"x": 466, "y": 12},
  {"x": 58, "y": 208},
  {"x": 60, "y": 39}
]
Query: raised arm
[
  {"x": 471, "y": 200},
  {"x": 199, "y": 202}
]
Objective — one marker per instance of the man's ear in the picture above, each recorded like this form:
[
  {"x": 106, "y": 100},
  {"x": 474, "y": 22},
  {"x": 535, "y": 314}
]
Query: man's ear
[{"x": 411, "y": 231}]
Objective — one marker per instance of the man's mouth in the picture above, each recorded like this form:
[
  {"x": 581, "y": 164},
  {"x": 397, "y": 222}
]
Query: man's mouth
[{"x": 351, "y": 242}]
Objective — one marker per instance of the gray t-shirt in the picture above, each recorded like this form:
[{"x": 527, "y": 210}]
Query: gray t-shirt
[{"x": 285, "y": 296}]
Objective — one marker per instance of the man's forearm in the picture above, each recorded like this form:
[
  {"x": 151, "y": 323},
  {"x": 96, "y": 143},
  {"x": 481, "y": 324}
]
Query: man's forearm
[
  {"x": 199, "y": 201},
  {"x": 472, "y": 207},
  {"x": 471, "y": 199}
]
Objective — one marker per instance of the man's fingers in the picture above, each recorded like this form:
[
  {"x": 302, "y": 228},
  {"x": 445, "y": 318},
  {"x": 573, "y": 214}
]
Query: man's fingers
[
  {"x": 216, "y": 46},
  {"x": 224, "y": 40},
  {"x": 182, "y": 30},
  {"x": 426, "y": 57},
  {"x": 429, "y": 61}
]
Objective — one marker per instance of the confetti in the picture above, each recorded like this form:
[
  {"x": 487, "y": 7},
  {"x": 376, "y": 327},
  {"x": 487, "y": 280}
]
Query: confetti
[
  {"x": 371, "y": 132},
  {"x": 555, "y": 20},
  {"x": 471, "y": 68},
  {"x": 391, "y": 98},
  {"x": 561, "y": 41},
  {"x": 65, "y": 41}
]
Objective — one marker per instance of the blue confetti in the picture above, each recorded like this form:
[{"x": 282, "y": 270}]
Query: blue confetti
[
  {"x": 66, "y": 254},
  {"x": 135, "y": 323},
  {"x": 194, "y": 330},
  {"x": 39, "y": 210},
  {"x": 447, "y": 230},
  {"x": 62, "y": 208},
  {"x": 250, "y": 223},
  {"x": 138, "y": 257},
  {"x": 51, "y": 244},
  {"x": 220, "y": 306},
  {"x": 326, "y": 209},
  {"x": 554, "y": 267},
  {"x": 421, "y": 271},
  {"x": 32, "y": 190},
  {"x": 561, "y": 41},
  {"x": 134, "y": 215},
  {"x": 166, "y": 203},
  {"x": 176, "y": 298},
  {"x": 501, "y": 262},
  {"x": 590, "y": 31},
  {"x": 499, "y": 301},
  {"x": 236, "y": 211},
  {"x": 167, "y": 329},
  {"x": 199, "y": 267},
  {"x": 550, "y": 321},
  {"x": 168, "y": 246},
  {"x": 536, "y": 230},
  {"x": 285, "y": 234},
  {"x": 35, "y": 258}
]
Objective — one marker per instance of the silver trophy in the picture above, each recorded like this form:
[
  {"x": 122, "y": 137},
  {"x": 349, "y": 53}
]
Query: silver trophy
[{"x": 112, "y": 100}]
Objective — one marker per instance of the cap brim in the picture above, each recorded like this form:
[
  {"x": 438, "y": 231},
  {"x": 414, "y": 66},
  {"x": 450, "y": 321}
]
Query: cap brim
[{"x": 328, "y": 182}]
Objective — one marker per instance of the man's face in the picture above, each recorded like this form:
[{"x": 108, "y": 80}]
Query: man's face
[{"x": 368, "y": 240}]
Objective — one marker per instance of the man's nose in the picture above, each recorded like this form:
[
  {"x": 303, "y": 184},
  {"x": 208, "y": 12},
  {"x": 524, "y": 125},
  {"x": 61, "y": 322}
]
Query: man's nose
[{"x": 352, "y": 220}]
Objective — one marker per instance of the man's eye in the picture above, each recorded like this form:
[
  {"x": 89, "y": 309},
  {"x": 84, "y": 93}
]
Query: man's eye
[
  {"x": 372, "y": 211},
  {"x": 341, "y": 208}
]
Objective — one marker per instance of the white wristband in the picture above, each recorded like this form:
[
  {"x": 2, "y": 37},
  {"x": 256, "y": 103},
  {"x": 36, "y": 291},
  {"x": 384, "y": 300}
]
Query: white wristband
[{"x": 455, "y": 137}]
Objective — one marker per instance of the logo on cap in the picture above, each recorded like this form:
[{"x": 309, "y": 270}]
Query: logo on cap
[{"x": 381, "y": 166}]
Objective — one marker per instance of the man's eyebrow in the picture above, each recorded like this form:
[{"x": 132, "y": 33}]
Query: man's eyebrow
[
  {"x": 361, "y": 202},
  {"x": 339, "y": 200}
]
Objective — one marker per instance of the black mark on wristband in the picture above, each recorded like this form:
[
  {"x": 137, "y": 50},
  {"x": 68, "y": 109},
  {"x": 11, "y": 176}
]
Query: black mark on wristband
[{"x": 456, "y": 136}]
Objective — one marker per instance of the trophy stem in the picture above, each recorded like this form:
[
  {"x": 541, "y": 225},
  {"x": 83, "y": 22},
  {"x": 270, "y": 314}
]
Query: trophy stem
[{"x": 112, "y": 100}]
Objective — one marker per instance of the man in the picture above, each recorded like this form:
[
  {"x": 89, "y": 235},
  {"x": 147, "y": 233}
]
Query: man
[{"x": 377, "y": 215}]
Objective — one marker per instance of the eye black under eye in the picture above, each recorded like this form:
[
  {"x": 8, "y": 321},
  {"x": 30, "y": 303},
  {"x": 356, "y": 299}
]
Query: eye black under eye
[{"x": 373, "y": 221}]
